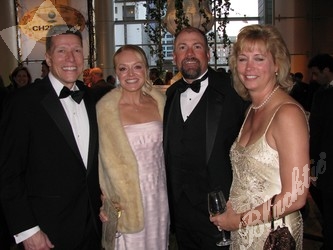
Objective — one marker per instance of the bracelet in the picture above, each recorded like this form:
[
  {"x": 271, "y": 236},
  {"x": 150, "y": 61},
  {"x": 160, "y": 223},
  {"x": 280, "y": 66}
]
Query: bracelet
[{"x": 242, "y": 220}]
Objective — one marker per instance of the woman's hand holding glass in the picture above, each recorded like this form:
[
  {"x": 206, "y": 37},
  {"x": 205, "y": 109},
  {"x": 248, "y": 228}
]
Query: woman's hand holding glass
[
  {"x": 217, "y": 205},
  {"x": 229, "y": 220}
]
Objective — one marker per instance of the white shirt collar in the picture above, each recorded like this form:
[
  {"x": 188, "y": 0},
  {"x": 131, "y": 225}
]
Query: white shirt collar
[{"x": 57, "y": 85}]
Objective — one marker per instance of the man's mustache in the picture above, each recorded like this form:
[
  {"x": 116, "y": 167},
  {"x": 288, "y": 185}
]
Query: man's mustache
[{"x": 192, "y": 59}]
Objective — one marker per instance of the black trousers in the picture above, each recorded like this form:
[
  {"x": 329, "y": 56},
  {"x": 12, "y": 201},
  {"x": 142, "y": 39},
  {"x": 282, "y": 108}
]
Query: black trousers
[
  {"x": 192, "y": 226},
  {"x": 91, "y": 240}
]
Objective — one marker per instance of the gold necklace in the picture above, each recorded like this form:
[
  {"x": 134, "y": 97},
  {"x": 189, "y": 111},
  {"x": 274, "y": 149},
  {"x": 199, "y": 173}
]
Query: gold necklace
[{"x": 266, "y": 100}]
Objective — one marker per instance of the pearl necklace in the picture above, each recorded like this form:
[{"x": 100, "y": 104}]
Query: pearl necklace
[{"x": 266, "y": 100}]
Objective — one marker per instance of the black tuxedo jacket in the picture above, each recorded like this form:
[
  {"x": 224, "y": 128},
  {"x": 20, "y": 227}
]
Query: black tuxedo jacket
[
  {"x": 43, "y": 179},
  {"x": 321, "y": 138},
  {"x": 224, "y": 116}
]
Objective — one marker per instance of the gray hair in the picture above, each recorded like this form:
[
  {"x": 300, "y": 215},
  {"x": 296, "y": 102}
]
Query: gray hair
[{"x": 61, "y": 29}]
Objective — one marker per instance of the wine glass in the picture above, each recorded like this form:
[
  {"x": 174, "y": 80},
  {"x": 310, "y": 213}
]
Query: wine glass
[{"x": 217, "y": 205}]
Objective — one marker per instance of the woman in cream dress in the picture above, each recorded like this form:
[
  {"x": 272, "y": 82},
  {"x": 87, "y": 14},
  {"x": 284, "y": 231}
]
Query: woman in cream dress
[
  {"x": 132, "y": 170},
  {"x": 271, "y": 154}
]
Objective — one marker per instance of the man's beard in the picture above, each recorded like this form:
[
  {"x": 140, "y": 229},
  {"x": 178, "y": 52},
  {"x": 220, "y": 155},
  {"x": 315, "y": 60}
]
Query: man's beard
[{"x": 191, "y": 73}]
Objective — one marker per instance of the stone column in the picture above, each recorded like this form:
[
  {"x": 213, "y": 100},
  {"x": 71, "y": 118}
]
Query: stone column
[
  {"x": 8, "y": 40},
  {"x": 105, "y": 42}
]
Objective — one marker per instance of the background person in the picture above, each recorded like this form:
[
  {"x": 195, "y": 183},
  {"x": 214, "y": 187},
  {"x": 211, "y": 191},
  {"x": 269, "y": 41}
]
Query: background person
[
  {"x": 111, "y": 80},
  {"x": 154, "y": 76},
  {"x": 97, "y": 82},
  {"x": 271, "y": 153},
  {"x": 132, "y": 169},
  {"x": 86, "y": 77},
  {"x": 19, "y": 77},
  {"x": 45, "y": 69},
  {"x": 168, "y": 77},
  {"x": 321, "y": 68},
  {"x": 321, "y": 139},
  {"x": 303, "y": 92}
]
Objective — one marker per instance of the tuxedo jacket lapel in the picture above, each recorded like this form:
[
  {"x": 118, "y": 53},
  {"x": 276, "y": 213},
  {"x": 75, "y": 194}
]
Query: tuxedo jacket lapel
[
  {"x": 57, "y": 113},
  {"x": 93, "y": 140},
  {"x": 213, "y": 116},
  {"x": 53, "y": 106},
  {"x": 173, "y": 98}
]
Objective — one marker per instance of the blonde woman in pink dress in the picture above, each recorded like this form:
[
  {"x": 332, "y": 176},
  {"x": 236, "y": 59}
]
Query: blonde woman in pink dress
[{"x": 132, "y": 170}]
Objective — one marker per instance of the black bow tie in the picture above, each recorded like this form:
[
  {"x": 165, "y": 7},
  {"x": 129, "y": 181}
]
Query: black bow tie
[
  {"x": 195, "y": 85},
  {"x": 77, "y": 95}
]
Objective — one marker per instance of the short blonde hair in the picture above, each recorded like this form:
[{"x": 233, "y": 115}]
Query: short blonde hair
[{"x": 274, "y": 43}]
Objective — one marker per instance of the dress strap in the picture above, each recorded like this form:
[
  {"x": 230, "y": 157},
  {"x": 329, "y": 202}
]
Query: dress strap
[
  {"x": 240, "y": 131},
  {"x": 278, "y": 110}
]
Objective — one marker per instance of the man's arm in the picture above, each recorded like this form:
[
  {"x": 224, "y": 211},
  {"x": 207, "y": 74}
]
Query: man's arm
[
  {"x": 14, "y": 148},
  {"x": 25, "y": 234},
  {"x": 38, "y": 241}
]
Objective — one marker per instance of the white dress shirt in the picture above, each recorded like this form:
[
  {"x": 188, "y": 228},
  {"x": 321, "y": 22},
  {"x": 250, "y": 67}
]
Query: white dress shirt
[
  {"x": 189, "y": 99},
  {"x": 77, "y": 116}
]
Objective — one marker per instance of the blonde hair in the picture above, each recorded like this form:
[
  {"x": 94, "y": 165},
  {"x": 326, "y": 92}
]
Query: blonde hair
[
  {"x": 139, "y": 51},
  {"x": 273, "y": 42}
]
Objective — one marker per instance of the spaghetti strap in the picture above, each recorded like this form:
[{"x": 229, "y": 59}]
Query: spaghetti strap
[
  {"x": 241, "y": 129},
  {"x": 278, "y": 110}
]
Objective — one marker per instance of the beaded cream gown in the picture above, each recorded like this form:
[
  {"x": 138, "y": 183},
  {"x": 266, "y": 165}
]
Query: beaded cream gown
[
  {"x": 146, "y": 142},
  {"x": 256, "y": 179}
]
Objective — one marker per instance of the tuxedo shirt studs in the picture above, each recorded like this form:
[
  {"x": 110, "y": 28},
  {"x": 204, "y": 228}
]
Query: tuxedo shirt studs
[{"x": 189, "y": 99}]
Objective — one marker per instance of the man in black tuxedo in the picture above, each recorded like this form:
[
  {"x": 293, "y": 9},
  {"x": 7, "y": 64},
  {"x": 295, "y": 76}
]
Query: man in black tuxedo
[
  {"x": 49, "y": 154},
  {"x": 200, "y": 126},
  {"x": 321, "y": 142}
]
